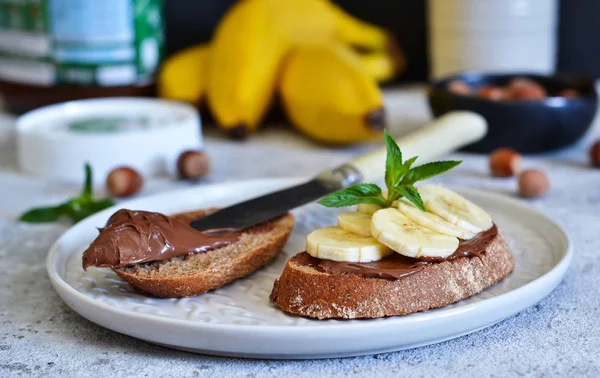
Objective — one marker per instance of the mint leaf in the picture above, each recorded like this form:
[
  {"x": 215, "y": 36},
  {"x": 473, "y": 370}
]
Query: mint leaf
[
  {"x": 399, "y": 179},
  {"x": 428, "y": 170},
  {"x": 76, "y": 208},
  {"x": 393, "y": 162},
  {"x": 411, "y": 194},
  {"x": 41, "y": 215},
  {"x": 92, "y": 208},
  {"x": 353, "y": 195},
  {"x": 407, "y": 164}
]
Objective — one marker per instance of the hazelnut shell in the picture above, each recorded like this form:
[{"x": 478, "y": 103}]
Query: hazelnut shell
[
  {"x": 123, "y": 182},
  {"x": 526, "y": 89},
  {"x": 533, "y": 183},
  {"x": 192, "y": 164},
  {"x": 505, "y": 162},
  {"x": 595, "y": 154},
  {"x": 459, "y": 87}
]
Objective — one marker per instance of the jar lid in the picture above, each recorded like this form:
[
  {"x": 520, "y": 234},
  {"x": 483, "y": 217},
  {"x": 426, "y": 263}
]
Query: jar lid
[{"x": 146, "y": 134}]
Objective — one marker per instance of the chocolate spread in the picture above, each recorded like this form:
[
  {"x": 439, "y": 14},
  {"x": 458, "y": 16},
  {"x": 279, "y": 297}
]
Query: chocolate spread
[
  {"x": 132, "y": 237},
  {"x": 397, "y": 266}
]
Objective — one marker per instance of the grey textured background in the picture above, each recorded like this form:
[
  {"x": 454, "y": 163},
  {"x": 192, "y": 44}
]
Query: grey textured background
[{"x": 560, "y": 336}]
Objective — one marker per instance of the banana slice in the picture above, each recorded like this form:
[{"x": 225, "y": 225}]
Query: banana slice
[
  {"x": 371, "y": 209},
  {"x": 333, "y": 243},
  {"x": 392, "y": 228},
  {"x": 355, "y": 222},
  {"x": 367, "y": 209},
  {"x": 432, "y": 221},
  {"x": 455, "y": 208}
]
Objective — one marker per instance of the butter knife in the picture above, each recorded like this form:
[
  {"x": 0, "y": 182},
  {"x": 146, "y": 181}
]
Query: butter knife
[{"x": 441, "y": 136}]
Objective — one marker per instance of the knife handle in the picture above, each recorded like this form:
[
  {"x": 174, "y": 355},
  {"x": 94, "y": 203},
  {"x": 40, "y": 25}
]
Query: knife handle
[{"x": 441, "y": 136}]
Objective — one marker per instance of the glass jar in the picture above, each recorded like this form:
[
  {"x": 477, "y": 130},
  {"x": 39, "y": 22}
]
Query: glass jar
[{"x": 58, "y": 50}]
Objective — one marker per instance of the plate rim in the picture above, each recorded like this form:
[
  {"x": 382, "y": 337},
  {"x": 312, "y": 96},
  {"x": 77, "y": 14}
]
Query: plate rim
[{"x": 63, "y": 288}]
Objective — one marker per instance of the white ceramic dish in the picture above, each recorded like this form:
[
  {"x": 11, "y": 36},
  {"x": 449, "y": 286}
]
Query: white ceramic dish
[
  {"x": 239, "y": 320},
  {"x": 55, "y": 141}
]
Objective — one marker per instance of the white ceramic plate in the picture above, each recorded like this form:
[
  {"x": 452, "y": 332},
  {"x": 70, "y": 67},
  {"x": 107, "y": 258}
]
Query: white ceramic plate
[{"x": 239, "y": 320}]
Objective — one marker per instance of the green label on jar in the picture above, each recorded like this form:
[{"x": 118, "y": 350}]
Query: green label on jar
[
  {"x": 88, "y": 42},
  {"x": 149, "y": 35}
]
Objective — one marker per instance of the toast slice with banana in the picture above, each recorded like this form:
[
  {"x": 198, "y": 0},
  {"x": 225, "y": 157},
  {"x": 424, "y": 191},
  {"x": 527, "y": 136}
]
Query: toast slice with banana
[
  {"x": 411, "y": 249},
  {"x": 306, "y": 289},
  {"x": 395, "y": 262}
]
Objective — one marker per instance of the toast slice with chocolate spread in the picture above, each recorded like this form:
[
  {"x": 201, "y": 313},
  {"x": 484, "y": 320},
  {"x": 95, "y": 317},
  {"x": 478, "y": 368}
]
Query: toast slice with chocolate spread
[
  {"x": 307, "y": 289},
  {"x": 411, "y": 249},
  {"x": 194, "y": 274}
]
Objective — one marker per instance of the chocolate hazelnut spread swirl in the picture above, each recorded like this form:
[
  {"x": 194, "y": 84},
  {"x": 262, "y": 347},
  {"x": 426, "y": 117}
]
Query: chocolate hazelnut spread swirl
[
  {"x": 397, "y": 266},
  {"x": 132, "y": 237}
]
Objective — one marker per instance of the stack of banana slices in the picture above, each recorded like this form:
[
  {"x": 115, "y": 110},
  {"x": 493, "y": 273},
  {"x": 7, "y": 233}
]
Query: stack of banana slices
[{"x": 372, "y": 233}]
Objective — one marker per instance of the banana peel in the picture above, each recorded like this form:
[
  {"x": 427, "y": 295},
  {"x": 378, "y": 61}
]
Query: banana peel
[
  {"x": 328, "y": 95},
  {"x": 381, "y": 66},
  {"x": 183, "y": 76}
]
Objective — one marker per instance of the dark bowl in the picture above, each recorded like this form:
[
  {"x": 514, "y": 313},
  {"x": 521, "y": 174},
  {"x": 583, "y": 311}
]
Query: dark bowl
[{"x": 525, "y": 125}]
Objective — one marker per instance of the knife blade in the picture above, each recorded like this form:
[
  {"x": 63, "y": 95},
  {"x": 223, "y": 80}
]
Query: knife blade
[
  {"x": 443, "y": 135},
  {"x": 272, "y": 205}
]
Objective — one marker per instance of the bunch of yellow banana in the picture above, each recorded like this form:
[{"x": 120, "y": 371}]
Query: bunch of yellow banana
[{"x": 304, "y": 49}]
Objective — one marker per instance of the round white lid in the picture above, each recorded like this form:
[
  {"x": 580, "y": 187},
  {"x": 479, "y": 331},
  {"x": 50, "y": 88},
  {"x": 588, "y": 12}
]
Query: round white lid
[{"x": 144, "y": 133}]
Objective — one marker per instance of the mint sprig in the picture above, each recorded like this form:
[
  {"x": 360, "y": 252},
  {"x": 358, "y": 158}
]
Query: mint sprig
[
  {"x": 76, "y": 208},
  {"x": 355, "y": 194},
  {"x": 400, "y": 178}
]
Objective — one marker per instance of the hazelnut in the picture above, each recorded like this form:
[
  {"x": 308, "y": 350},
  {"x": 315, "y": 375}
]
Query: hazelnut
[
  {"x": 491, "y": 92},
  {"x": 533, "y": 183},
  {"x": 505, "y": 162},
  {"x": 192, "y": 164},
  {"x": 525, "y": 89},
  {"x": 459, "y": 87},
  {"x": 595, "y": 154},
  {"x": 568, "y": 93},
  {"x": 123, "y": 182}
]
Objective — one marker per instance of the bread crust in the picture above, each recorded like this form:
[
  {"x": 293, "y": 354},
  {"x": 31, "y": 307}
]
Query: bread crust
[
  {"x": 305, "y": 291},
  {"x": 257, "y": 247}
]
